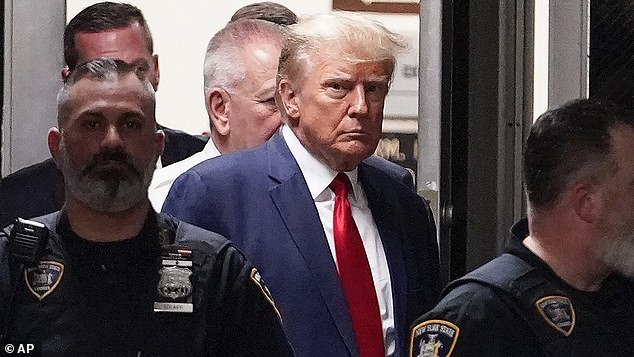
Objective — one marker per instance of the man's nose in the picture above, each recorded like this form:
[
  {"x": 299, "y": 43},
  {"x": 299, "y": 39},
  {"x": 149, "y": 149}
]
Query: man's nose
[
  {"x": 112, "y": 137},
  {"x": 358, "y": 105}
]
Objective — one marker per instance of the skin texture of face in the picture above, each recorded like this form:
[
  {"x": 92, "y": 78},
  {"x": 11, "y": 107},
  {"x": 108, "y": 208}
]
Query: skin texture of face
[
  {"x": 127, "y": 44},
  {"x": 615, "y": 244},
  {"x": 336, "y": 112},
  {"x": 247, "y": 116},
  {"x": 107, "y": 143}
]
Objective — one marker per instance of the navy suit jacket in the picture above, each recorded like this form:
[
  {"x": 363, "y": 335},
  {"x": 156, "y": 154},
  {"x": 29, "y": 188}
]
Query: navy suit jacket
[
  {"x": 259, "y": 199},
  {"x": 38, "y": 189}
]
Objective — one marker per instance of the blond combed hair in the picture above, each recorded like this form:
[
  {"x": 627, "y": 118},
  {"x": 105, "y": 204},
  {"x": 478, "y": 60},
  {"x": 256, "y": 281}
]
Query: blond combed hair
[{"x": 351, "y": 37}]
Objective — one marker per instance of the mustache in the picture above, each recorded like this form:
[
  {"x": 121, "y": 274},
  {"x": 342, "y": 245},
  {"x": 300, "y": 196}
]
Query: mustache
[{"x": 111, "y": 155}]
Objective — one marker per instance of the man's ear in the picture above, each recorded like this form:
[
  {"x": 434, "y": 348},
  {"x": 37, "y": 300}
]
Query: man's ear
[
  {"x": 586, "y": 201},
  {"x": 65, "y": 73},
  {"x": 160, "y": 141},
  {"x": 219, "y": 109},
  {"x": 157, "y": 73},
  {"x": 54, "y": 139},
  {"x": 289, "y": 99}
]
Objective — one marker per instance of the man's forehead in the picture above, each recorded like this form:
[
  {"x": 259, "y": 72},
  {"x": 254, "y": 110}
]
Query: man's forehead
[
  {"x": 127, "y": 43},
  {"x": 352, "y": 70},
  {"x": 622, "y": 138}
]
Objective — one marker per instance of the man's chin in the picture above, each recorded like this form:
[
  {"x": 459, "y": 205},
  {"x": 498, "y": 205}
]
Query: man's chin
[
  {"x": 110, "y": 171},
  {"x": 356, "y": 151},
  {"x": 112, "y": 204},
  {"x": 109, "y": 191}
]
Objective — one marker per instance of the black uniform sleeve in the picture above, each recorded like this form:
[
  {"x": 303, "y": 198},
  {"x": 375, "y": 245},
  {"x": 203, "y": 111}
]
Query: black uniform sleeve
[
  {"x": 249, "y": 323},
  {"x": 472, "y": 321}
]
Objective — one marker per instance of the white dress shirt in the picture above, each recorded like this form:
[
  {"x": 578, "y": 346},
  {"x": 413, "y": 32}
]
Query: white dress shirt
[
  {"x": 318, "y": 176},
  {"x": 164, "y": 177}
]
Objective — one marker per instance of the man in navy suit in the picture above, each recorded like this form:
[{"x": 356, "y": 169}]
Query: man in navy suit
[{"x": 275, "y": 202}]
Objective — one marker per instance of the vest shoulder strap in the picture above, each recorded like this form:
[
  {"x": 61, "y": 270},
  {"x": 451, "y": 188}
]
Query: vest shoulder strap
[
  {"x": 501, "y": 273},
  {"x": 526, "y": 290}
]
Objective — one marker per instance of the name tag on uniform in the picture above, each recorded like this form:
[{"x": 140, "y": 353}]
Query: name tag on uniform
[{"x": 174, "y": 291}]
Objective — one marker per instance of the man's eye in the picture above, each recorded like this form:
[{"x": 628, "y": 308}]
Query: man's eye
[
  {"x": 93, "y": 124},
  {"x": 336, "y": 86},
  {"x": 377, "y": 91},
  {"x": 132, "y": 125}
]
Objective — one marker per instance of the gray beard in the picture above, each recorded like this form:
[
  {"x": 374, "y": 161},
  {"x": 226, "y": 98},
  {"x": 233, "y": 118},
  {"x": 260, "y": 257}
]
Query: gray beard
[
  {"x": 618, "y": 251},
  {"x": 108, "y": 190}
]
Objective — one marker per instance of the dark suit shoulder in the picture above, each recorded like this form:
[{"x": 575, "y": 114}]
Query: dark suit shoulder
[
  {"x": 390, "y": 169},
  {"x": 180, "y": 145},
  {"x": 231, "y": 165},
  {"x": 25, "y": 175},
  {"x": 31, "y": 192}
]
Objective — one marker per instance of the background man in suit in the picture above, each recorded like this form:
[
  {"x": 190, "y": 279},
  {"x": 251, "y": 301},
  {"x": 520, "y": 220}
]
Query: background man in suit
[
  {"x": 116, "y": 30},
  {"x": 106, "y": 29},
  {"x": 276, "y": 204},
  {"x": 239, "y": 84}
]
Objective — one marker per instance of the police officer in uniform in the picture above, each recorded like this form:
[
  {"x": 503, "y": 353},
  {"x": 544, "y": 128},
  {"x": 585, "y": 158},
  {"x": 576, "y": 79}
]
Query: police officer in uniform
[
  {"x": 564, "y": 287},
  {"x": 107, "y": 275}
]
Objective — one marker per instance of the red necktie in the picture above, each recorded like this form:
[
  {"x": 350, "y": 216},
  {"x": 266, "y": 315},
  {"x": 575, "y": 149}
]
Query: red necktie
[{"x": 355, "y": 274}]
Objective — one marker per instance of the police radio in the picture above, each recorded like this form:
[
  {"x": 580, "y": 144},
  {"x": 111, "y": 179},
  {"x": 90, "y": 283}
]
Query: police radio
[
  {"x": 27, "y": 240},
  {"x": 25, "y": 244}
]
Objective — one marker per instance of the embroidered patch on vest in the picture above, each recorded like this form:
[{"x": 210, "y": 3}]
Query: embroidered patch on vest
[
  {"x": 257, "y": 280},
  {"x": 43, "y": 278},
  {"x": 433, "y": 338},
  {"x": 558, "y": 313}
]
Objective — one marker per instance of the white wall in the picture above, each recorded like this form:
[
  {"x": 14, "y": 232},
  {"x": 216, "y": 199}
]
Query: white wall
[
  {"x": 181, "y": 30},
  {"x": 32, "y": 61}
]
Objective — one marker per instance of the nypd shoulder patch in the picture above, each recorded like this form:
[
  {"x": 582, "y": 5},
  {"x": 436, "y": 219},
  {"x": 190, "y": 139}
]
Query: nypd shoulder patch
[
  {"x": 433, "y": 338},
  {"x": 558, "y": 313},
  {"x": 43, "y": 278},
  {"x": 257, "y": 280}
]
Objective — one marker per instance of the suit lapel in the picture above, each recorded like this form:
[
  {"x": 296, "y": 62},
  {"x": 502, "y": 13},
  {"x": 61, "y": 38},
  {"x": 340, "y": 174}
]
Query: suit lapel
[
  {"x": 299, "y": 214},
  {"x": 384, "y": 212}
]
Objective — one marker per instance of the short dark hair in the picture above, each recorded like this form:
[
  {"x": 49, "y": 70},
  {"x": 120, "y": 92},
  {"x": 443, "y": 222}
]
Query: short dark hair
[
  {"x": 268, "y": 11},
  {"x": 102, "y": 17},
  {"x": 103, "y": 69},
  {"x": 565, "y": 143}
]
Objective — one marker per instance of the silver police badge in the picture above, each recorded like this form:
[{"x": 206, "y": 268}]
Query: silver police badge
[
  {"x": 43, "y": 278},
  {"x": 175, "y": 283},
  {"x": 558, "y": 313}
]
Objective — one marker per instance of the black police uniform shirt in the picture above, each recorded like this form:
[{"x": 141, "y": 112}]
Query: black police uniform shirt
[
  {"x": 533, "y": 313},
  {"x": 86, "y": 298}
]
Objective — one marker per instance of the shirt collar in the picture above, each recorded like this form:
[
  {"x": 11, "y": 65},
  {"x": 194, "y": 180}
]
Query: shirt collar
[
  {"x": 316, "y": 174},
  {"x": 210, "y": 149}
]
